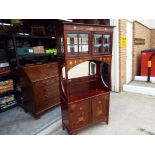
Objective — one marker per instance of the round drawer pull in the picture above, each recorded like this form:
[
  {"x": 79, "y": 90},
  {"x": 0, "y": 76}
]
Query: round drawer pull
[
  {"x": 99, "y": 102},
  {"x": 80, "y": 108}
]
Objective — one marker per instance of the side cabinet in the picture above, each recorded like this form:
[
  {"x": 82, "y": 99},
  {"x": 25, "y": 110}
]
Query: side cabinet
[{"x": 88, "y": 111}]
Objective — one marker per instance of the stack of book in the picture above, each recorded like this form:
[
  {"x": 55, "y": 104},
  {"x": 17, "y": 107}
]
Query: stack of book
[{"x": 7, "y": 101}]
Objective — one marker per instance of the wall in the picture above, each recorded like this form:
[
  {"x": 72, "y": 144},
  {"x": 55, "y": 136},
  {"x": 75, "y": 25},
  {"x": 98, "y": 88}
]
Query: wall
[
  {"x": 122, "y": 53},
  {"x": 143, "y": 32},
  {"x": 153, "y": 38},
  {"x": 115, "y": 56},
  {"x": 139, "y": 31}
]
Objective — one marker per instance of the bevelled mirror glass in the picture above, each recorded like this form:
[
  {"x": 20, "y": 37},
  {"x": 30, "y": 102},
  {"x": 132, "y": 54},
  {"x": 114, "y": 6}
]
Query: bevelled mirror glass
[
  {"x": 105, "y": 74},
  {"x": 83, "y": 69},
  {"x": 63, "y": 73}
]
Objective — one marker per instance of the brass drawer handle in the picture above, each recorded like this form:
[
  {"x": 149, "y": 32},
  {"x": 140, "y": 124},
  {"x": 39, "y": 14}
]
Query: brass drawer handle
[{"x": 99, "y": 102}]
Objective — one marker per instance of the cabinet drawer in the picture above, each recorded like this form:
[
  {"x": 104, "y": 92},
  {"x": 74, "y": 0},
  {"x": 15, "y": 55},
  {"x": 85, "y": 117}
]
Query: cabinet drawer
[
  {"x": 79, "y": 114},
  {"x": 99, "y": 107},
  {"x": 46, "y": 93},
  {"x": 47, "y": 82}
]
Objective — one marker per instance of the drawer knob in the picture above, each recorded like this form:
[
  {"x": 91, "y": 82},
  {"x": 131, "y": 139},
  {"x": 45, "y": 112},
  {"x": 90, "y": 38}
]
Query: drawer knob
[
  {"x": 80, "y": 108},
  {"x": 99, "y": 102}
]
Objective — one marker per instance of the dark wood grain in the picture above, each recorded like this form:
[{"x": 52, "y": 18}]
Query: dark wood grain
[{"x": 40, "y": 87}]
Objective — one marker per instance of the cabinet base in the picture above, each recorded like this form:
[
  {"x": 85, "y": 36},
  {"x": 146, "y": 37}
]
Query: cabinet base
[
  {"x": 37, "y": 115},
  {"x": 74, "y": 132}
]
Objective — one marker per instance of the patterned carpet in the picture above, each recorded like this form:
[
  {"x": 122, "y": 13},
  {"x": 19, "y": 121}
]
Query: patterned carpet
[{"x": 17, "y": 122}]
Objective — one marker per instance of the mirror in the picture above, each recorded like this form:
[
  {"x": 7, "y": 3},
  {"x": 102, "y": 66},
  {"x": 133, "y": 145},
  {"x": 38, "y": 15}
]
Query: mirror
[
  {"x": 92, "y": 68},
  {"x": 64, "y": 73},
  {"x": 105, "y": 74},
  {"x": 84, "y": 69}
]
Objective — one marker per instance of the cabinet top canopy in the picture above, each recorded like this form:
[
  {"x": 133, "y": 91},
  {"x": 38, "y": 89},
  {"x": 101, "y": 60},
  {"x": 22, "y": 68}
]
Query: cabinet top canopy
[{"x": 86, "y": 27}]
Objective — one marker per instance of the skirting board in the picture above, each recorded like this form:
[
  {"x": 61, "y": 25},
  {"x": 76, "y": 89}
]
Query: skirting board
[
  {"x": 139, "y": 89},
  {"x": 144, "y": 78}
]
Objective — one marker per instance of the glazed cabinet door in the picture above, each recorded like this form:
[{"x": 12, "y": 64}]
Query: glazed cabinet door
[
  {"x": 79, "y": 114},
  {"x": 100, "y": 108}
]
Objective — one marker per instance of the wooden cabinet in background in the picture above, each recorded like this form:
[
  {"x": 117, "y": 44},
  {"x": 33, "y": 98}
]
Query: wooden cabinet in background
[{"x": 40, "y": 87}]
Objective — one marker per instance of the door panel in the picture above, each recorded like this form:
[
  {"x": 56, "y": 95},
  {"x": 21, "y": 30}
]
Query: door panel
[
  {"x": 99, "y": 107},
  {"x": 79, "y": 114}
]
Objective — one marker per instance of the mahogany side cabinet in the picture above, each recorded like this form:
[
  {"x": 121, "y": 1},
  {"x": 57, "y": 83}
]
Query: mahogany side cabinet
[{"x": 84, "y": 99}]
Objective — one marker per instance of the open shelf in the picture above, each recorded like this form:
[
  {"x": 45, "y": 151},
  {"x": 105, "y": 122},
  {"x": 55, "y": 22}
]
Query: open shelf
[
  {"x": 35, "y": 55},
  {"x": 6, "y": 74},
  {"x": 87, "y": 95},
  {"x": 33, "y": 37}
]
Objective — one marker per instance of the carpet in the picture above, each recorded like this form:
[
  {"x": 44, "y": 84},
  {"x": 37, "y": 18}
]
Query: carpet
[{"x": 17, "y": 122}]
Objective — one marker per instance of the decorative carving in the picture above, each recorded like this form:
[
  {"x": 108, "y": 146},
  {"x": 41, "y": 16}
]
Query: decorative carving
[{"x": 80, "y": 119}]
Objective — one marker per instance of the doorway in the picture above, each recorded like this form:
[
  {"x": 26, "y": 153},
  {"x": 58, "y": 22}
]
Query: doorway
[{"x": 129, "y": 51}]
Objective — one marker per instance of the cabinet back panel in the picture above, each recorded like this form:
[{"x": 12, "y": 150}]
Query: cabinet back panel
[{"x": 82, "y": 85}]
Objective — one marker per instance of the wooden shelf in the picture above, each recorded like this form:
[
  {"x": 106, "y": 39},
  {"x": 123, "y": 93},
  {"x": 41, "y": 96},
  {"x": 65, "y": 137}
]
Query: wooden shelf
[
  {"x": 7, "y": 93},
  {"x": 8, "y": 107},
  {"x": 35, "y": 55},
  {"x": 87, "y": 95},
  {"x": 33, "y": 37},
  {"x": 5, "y": 74}
]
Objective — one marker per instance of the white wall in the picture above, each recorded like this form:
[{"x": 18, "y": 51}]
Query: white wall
[
  {"x": 115, "y": 56},
  {"x": 147, "y": 22}
]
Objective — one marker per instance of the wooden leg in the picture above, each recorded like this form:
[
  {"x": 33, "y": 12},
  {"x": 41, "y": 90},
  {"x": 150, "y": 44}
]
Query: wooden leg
[
  {"x": 72, "y": 133},
  {"x": 25, "y": 110},
  {"x": 107, "y": 121},
  {"x": 37, "y": 116},
  {"x": 63, "y": 127}
]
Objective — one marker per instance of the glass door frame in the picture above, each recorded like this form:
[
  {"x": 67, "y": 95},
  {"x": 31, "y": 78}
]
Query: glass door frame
[
  {"x": 102, "y": 33},
  {"x": 77, "y": 53}
]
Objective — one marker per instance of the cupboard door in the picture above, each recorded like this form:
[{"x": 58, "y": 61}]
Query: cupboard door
[
  {"x": 79, "y": 114},
  {"x": 99, "y": 107}
]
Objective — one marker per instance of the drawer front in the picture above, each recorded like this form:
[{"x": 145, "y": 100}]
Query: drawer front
[
  {"x": 46, "y": 93},
  {"x": 99, "y": 107},
  {"x": 79, "y": 114},
  {"x": 47, "y": 83}
]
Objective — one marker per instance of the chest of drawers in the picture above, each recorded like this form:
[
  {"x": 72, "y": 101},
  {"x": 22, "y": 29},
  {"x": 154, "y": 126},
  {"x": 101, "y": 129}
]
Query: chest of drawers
[{"x": 40, "y": 87}]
